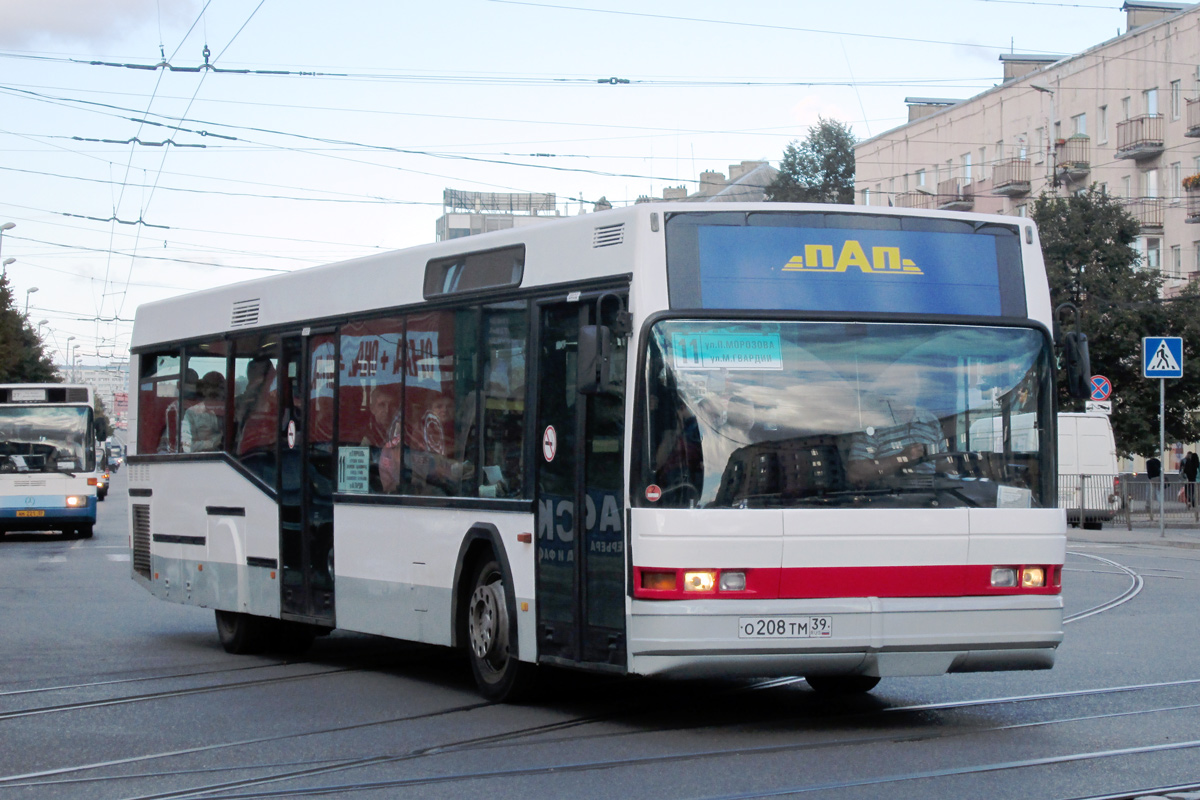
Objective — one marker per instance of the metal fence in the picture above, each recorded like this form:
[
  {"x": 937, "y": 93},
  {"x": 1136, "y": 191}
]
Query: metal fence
[{"x": 1128, "y": 499}]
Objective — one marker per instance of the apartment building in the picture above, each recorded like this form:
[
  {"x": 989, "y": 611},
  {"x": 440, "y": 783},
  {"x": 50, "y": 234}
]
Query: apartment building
[{"x": 1123, "y": 116}]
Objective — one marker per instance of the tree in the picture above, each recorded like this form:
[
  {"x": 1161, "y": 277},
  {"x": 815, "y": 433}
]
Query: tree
[
  {"x": 1087, "y": 242},
  {"x": 818, "y": 170},
  {"x": 23, "y": 359}
]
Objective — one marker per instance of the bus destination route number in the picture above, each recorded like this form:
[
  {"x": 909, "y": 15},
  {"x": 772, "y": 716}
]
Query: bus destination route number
[{"x": 785, "y": 627}]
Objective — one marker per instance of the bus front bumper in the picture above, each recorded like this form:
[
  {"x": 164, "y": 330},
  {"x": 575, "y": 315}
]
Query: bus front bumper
[{"x": 883, "y": 637}]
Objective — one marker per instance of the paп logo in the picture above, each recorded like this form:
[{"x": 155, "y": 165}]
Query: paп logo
[{"x": 883, "y": 260}]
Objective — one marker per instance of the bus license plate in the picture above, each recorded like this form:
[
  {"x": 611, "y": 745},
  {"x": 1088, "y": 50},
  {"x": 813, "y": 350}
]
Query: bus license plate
[
  {"x": 25, "y": 512},
  {"x": 785, "y": 627}
]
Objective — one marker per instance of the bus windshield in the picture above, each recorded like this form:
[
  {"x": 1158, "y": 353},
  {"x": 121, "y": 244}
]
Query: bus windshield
[
  {"x": 46, "y": 439},
  {"x": 845, "y": 415}
]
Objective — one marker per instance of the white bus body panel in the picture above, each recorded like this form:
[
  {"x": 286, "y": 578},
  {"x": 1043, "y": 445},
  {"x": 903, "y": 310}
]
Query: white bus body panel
[
  {"x": 395, "y": 568},
  {"x": 872, "y": 635}
]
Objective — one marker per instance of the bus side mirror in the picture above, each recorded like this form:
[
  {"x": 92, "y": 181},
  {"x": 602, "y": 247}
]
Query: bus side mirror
[
  {"x": 1078, "y": 365},
  {"x": 595, "y": 359}
]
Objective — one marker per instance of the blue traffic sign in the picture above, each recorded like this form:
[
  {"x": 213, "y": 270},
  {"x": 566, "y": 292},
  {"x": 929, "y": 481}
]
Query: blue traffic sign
[
  {"x": 1162, "y": 357},
  {"x": 1101, "y": 388}
]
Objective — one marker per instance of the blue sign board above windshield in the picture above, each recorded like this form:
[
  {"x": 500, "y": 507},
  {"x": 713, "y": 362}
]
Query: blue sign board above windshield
[{"x": 842, "y": 269}]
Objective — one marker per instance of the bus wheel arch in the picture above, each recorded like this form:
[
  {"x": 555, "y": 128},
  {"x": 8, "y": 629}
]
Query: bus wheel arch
[{"x": 484, "y": 615}]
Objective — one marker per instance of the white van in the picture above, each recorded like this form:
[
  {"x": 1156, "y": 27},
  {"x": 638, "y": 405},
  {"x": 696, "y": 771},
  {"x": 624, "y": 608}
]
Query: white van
[{"x": 1086, "y": 448}]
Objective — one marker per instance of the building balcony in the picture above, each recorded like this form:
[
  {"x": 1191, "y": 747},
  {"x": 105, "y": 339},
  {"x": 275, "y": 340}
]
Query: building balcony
[
  {"x": 1140, "y": 137},
  {"x": 1193, "y": 118},
  {"x": 916, "y": 199},
  {"x": 955, "y": 195},
  {"x": 1074, "y": 156},
  {"x": 1011, "y": 177},
  {"x": 1148, "y": 211},
  {"x": 1193, "y": 205}
]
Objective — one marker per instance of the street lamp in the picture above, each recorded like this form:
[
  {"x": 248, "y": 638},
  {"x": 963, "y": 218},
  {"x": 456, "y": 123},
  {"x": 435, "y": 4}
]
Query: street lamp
[
  {"x": 74, "y": 360},
  {"x": 1051, "y": 152},
  {"x": 42, "y": 323},
  {"x": 28, "y": 292}
]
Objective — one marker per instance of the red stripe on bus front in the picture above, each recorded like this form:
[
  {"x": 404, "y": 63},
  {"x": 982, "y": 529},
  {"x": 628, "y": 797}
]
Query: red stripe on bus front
[{"x": 951, "y": 580}]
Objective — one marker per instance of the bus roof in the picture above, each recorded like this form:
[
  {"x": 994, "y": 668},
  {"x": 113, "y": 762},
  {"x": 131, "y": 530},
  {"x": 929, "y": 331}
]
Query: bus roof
[{"x": 599, "y": 245}]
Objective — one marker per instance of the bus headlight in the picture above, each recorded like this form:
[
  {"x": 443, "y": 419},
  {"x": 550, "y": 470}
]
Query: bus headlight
[
  {"x": 733, "y": 581},
  {"x": 1033, "y": 577},
  {"x": 74, "y": 501},
  {"x": 1004, "y": 577},
  {"x": 699, "y": 581}
]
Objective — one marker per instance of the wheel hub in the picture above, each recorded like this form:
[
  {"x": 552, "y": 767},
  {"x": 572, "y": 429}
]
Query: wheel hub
[{"x": 488, "y": 623}]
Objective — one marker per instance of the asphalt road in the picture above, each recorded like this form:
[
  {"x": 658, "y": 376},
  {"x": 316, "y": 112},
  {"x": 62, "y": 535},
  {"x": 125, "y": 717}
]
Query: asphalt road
[{"x": 106, "y": 692}]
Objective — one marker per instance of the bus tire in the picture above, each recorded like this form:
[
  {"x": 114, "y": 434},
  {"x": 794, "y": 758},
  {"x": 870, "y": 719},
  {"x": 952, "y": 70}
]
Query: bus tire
[
  {"x": 841, "y": 684},
  {"x": 85, "y": 531},
  {"x": 241, "y": 634},
  {"x": 292, "y": 638},
  {"x": 491, "y": 634}
]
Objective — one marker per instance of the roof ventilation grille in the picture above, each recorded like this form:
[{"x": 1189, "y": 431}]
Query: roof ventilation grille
[
  {"x": 245, "y": 313},
  {"x": 608, "y": 235}
]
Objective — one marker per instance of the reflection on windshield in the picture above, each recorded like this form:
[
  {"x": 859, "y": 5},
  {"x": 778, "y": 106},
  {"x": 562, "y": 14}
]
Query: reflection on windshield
[
  {"x": 45, "y": 439},
  {"x": 845, "y": 415}
]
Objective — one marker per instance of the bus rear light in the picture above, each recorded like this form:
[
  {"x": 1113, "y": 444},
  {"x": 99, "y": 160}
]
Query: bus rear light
[
  {"x": 93, "y": 481},
  {"x": 658, "y": 581},
  {"x": 699, "y": 581}
]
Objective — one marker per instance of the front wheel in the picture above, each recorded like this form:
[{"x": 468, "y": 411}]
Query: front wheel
[
  {"x": 491, "y": 637},
  {"x": 841, "y": 684}
]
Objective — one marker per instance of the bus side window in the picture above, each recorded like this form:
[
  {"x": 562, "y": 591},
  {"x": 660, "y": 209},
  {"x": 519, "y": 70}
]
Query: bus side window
[
  {"x": 505, "y": 327},
  {"x": 255, "y": 406},
  {"x": 158, "y": 403}
]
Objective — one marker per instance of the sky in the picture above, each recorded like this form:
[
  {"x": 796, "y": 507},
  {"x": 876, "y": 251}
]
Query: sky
[{"x": 329, "y": 131}]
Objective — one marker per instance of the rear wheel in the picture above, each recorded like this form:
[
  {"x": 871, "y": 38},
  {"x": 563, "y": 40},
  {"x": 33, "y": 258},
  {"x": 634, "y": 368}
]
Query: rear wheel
[
  {"x": 491, "y": 637},
  {"x": 841, "y": 684},
  {"x": 242, "y": 633},
  {"x": 84, "y": 531}
]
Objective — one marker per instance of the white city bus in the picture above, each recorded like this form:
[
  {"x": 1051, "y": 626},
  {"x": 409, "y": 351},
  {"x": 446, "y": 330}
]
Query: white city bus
[
  {"x": 48, "y": 475},
  {"x": 664, "y": 440}
]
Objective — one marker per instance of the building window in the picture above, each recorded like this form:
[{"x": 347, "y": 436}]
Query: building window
[
  {"x": 1150, "y": 183},
  {"x": 1151, "y": 101},
  {"x": 1021, "y": 211},
  {"x": 1102, "y": 125},
  {"x": 920, "y": 177},
  {"x": 1079, "y": 125},
  {"x": 999, "y": 151},
  {"x": 1126, "y": 187},
  {"x": 1102, "y": 188},
  {"x": 866, "y": 197},
  {"x": 1152, "y": 253},
  {"x": 1176, "y": 99},
  {"x": 1125, "y": 107},
  {"x": 1196, "y": 256},
  {"x": 966, "y": 167},
  {"x": 1039, "y": 155},
  {"x": 1176, "y": 180},
  {"x": 1176, "y": 264}
]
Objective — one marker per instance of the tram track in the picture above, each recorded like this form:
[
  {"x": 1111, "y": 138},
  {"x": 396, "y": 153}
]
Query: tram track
[
  {"x": 521, "y": 738},
  {"x": 223, "y": 790},
  {"x": 1137, "y": 583}
]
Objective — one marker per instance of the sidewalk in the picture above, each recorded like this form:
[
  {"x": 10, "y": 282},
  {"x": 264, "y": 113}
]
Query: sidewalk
[{"x": 1177, "y": 535}]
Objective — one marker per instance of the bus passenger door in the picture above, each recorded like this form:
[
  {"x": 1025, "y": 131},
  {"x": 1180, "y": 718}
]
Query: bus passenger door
[
  {"x": 308, "y": 370},
  {"x": 580, "y": 517}
]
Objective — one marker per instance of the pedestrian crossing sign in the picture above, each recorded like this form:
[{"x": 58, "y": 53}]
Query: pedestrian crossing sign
[{"x": 1162, "y": 357}]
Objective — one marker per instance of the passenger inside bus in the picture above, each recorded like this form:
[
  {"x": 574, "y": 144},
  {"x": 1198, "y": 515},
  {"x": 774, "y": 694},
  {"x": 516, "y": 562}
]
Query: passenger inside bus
[
  {"x": 168, "y": 442},
  {"x": 204, "y": 421}
]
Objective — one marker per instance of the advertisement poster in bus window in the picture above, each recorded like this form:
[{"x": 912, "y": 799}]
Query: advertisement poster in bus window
[
  {"x": 819, "y": 269},
  {"x": 372, "y": 360}
]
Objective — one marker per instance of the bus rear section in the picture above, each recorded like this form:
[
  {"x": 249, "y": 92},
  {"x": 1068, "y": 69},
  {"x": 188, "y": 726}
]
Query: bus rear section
[{"x": 48, "y": 475}]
